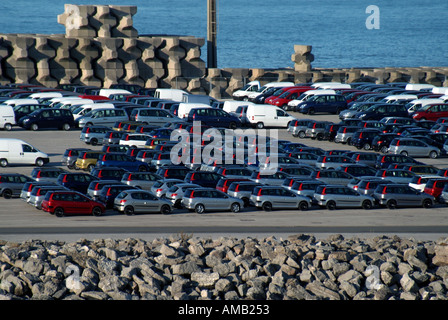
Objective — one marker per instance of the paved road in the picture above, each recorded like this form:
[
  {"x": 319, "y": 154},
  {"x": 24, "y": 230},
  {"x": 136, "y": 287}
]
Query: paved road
[{"x": 19, "y": 221}]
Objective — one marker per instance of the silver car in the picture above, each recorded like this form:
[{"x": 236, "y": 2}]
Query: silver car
[
  {"x": 161, "y": 187},
  {"x": 413, "y": 148},
  {"x": 50, "y": 174},
  {"x": 316, "y": 130},
  {"x": 131, "y": 202},
  {"x": 11, "y": 184},
  {"x": 103, "y": 117},
  {"x": 275, "y": 179},
  {"x": 333, "y": 161},
  {"x": 39, "y": 192},
  {"x": 272, "y": 197},
  {"x": 70, "y": 156},
  {"x": 112, "y": 137},
  {"x": 330, "y": 176},
  {"x": 402, "y": 195},
  {"x": 141, "y": 180},
  {"x": 94, "y": 188},
  {"x": 28, "y": 187},
  {"x": 396, "y": 175},
  {"x": 208, "y": 199},
  {"x": 177, "y": 191},
  {"x": 299, "y": 129},
  {"x": 345, "y": 134},
  {"x": 337, "y": 196},
  {"x": 306, "y": 188},
  {"x": 160, "y": 160},
  {"x": 368, "y": 185},
  {"x": 93, "y": 135},
  {"x": 242, "y": 190}
]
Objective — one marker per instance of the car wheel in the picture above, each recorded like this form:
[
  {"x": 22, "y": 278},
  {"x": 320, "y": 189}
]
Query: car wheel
[
  {"x": 433, "y": 154},
  {"x": 3, "y": 163},
  {"x": 367, "y": 205},
  {"x": 96, "y": 211},
  {"x": 302, "y": 134},
  {"x": 366, "y": 146},
  {"x": 349, "y": 141},
  {"x": 232, "y": 125},
  {"x": 331, "y": 205},
  {"x": 90, "y": 167},
  {"x": 391, "y": 204},
  {"x": 59, "y": 212},
  {"x": 260, "y": 125},
  {"x": 427, "y": 203},
  {"x": 404, "y": 153},
  {"x": 320, "y": 136},
  {"x": 199, "y": 208},
  {"x": 383, "y": 149},
  {"x": 311, "y": 111},
  {"x": 235, "y": 207},
  {"x": 39, "y": 162},
  {"x": 165, "y": 209},
  {"x": 66, "y": 127},
  {"x": 34, "y": 127},
  {"x": 129, "y": 210},
  {"x": 303, "y": 205},
  {"x": 8, "y": 127},
  {"x": 267, "y": 206},
  {"x": 94, "y": 142},
  {"x": 7, "y": 194}
]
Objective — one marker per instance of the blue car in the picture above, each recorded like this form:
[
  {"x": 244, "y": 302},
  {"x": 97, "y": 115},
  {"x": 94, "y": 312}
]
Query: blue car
[
  {"x": 76, "y": 181},
  {"x": 323, "y": 103},
  {"x": 214, "y": 118},
  {"x": 121, "y": 160}
]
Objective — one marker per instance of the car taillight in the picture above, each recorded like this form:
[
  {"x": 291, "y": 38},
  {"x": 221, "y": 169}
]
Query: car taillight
[
  {"x": 398, "y": 143},
  {"x": 291, "y": 182},
  {"x": 29, "y": 188},
  {"x": 97, "y": 186},
  {"x": 419, "y": 180},
  {"x": 314, "y": 126},
  {"x": 384, "y": 190},
  {"x": 100, "y": 174},
  {"x": 38, "y": 192},
  {"x": 69, "y": 153},
  {"x": 324, "y": 159},
  {"x": 360, "y": 135},
  {"x": 65, "y": 179},
  {"x": 368, "y": 186},
  {"x": 159, "y": 190},
  {"x": 159, "y": 157},
  {"x": 109, "y": 192},
  {"x": 127, "y": 138},
  {"x": 237, "y": 188},
  {"x": 192, "y": 177},
  {"x": 358, "y": 157},
  {"x": 318, "y": 174},
  {"x": 129, "y": 177},
  {"x": 383, "y": 159},
  {"x": 88, "y": 130},
  {"x": 345, "y": 130},
  {"x": 38, "y": 174},
  {"x": 324, "y": 191},
  {"x": 123, "y": 201},
  {"x": 192, "y": 195},
  {"x": 259, "y": 192}
]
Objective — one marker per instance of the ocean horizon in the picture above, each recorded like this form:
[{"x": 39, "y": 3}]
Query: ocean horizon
[{"x": 263, "y": 34}]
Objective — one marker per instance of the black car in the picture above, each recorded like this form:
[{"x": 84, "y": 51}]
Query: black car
[
  {"x": 203, "y": 178},
  {"x": 76, "y": 181},
  {"x": 109, "y": 173},
  {"x": 383, "y": 161},
  {"x": 49, "y": 118},
  {"x": 382, "y": 141},
  {"x": 173, "y": 172},
  {"x": 379, "y": 111},
  {"x": 23, "y": 110},
  {"x": 362, "y": 139},
  {"x": 330, "y": 131}
]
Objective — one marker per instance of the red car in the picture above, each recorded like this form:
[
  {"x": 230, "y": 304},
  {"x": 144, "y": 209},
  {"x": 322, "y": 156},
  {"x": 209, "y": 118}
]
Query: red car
[
  {"x": 431, "y": 112},
  {"x": 61, "y": 203},
  {"x": 290, "y": 94},
  {"x": 276, "y": 94},
  {"x": 435, "y": 187}
]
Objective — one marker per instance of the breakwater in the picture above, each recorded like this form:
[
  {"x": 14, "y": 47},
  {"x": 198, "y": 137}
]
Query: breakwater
[
  {"x": 101, "y": 47},
  {"x": 182, "y": 267}
]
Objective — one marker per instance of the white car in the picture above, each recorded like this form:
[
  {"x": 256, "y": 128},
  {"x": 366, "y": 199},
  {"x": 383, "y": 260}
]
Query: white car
[{"x": 134, "y": 139}]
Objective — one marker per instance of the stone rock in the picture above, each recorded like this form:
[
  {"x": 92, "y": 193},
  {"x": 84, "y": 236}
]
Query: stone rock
[
  {"x": 204, "y": 279},
  {"x": 322, "y": 292}
]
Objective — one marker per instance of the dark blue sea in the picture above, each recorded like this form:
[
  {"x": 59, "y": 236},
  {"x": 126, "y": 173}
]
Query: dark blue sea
[{"x": 262, "y": 34}]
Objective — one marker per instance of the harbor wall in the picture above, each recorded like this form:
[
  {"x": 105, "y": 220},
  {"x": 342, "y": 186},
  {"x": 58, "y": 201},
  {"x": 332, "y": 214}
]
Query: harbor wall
[{"x": 101, "y": 47}]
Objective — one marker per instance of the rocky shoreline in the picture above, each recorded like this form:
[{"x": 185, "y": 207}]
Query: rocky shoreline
[{"x": 182, "y": 267}]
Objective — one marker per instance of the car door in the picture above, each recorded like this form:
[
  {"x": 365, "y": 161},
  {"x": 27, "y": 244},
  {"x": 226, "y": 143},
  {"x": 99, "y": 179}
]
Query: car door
[
  {"x": 218, "y": 200},
  {"x": 45, "y": 119},
  {"x": 282, "y": 119},
  {"x": 81, "y": 204},
  {"x": 288, "y": 199}
]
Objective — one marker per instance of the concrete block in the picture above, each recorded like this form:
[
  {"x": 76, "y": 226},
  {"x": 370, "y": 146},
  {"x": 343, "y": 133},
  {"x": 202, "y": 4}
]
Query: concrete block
[
  {"x": 109, "y": 58},
  {"x": 63, "y": 58},
  {"x": 124, "y": 17},
  {"x": 302, "y": 58},
  {"x": 19, "y": 57}
]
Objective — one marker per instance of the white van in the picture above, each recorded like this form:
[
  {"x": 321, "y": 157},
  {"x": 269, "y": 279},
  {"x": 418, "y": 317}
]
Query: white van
[
  {"x": 16, "y": 102},
  {"x": 230, "y": 106},
  {"x": 108, "y": 92},
  {"x": 249, "y": 88},
  {"x": 399, "y": 98},
  {"x": 440, "y": 90},
  {"x": 267, "y": 86},
  {"x": 418, "y": 86},
  {"x": 321, "y": 84},
  {"x": 184, "y": 108},
  {"x": 7, "y": 117},
  {"x": 266, "y": 115},
  {"x": 418, "y": 103},
  {"x": 197, "y": 98},
  {"x": 335, "y": 86},
  {"x": 46, "y": 95},
  {"x": 16, "y": 151},
  {"x": 308, "y": 94},
  {"x": 170, "y": 94}
]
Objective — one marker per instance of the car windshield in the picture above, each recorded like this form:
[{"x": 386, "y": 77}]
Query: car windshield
[{"x": 77, "y": 110}]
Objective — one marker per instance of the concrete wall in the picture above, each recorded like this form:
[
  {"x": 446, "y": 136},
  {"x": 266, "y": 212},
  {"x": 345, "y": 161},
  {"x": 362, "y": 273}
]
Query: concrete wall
[{"x": 101, "y": 47}]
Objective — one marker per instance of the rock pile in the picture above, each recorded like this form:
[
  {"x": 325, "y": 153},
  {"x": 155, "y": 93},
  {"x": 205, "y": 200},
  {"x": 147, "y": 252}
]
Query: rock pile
[{"x": 186, "y": 268}]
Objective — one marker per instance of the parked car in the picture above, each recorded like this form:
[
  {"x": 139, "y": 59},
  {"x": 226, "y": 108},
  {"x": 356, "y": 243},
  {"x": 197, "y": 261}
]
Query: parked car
[
  {"x": 345, "y": 133},
  {"x": 383, "y": 161},
  {"x": 419, "y": 181},
  {"x": 38, "y": 194},
  {"x": 161, "y": 187},
  {"x": 396, "y": 175},
  {"x": 413, "y": 147},
  {"x": 108, "y": 193},
  {"x": 87, "y": 160},
  {"x": 11, "y": 184},
  {"x": 275, "y": 179},
  {"x": 210, "y": 199},
  {"x": 140, "y": 180},
  {"x": 367, "y": 185},
  {"x": 431, "y": 112},
  {"x": 363, "y": 139},
  {"x": 49, "y": 119},
  {"x": 19, "y": 152},
  {"x": 332, "y": 161},
  {"x": 121, "y": 160},
  {"x": 105, "y": 117},
  {"x": 357, "y": 170},
  {"x": 401, "y": 195},
  {"x": 214, "y": 117},
  {"x": 173, "y": 172},
  {"x": 435, "y": 186},
  {"x": 177, "y": 191},
  {"x": 275, "y": 197},
  {"x": 306, "y": 187},
  {"x": 366, "y": 158},
  {"x": 46, "y": 173},
  {"x": 331, "y": 176},
  {"x": 70, "y": 156},
  {"x": 93, "y": 135},
  {"x": 382, "y": 141},
  {"x": 298, "y": 127},
  {"x": 109, "y": 173},
  {"x": 305, "y": 158},
  {"x": 379, "y": 111},
  {"x": 94, "y": 188},
  {"x": 316, "y": 130},
  {"x": 61, "y": 203},
  {"x": 421, "y": 168},
  {"x": 242, "y": 190},
  {"x": 337, "y": 196},
  {"x": 76, "y": 181},
  {"x": 131, "y": 202},
  {"x": 203, "y": 178},
  {"x": 326, "y": 103}
]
